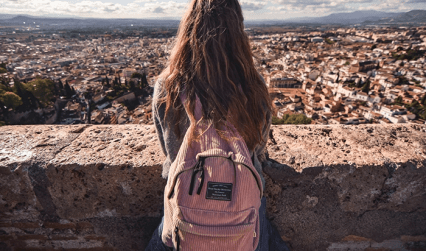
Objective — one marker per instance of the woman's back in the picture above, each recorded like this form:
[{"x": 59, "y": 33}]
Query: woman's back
[
  {"x": 212, "y": 62},
  {"x": 212, "y": 59},
  {"x": 171, "y": 141}
]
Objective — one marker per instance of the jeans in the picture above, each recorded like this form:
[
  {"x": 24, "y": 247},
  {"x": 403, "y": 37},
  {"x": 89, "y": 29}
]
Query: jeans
[{"x": 269, "y": 236}]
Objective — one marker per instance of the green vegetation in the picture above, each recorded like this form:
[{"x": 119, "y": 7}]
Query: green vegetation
[
  {"x": 142, "y": 78},
  {"x": 374, "y": 46},
  {"x": 3, "y": 68},
  {"x": 2, "y": 123},
  {"x": 347, "y": 63},
  {"x": 409, "y": 55},
  {"x": 136, "y": 75},
  {"x": 137, "y": 87},
  {"x": 352, "y": 84},
  {"x": 43, "y": 90},
  {"x": 294, "y": 119},
  {"x": 10, "y": 100},
  {"x": 329, "y": 41},
  {"x": 403, "y": 80},
  {"x": 366, "y": 86},
  {"x": 418, "y": 108},
  {"x": 398, "y": 101},
  {"x": 22, "y": 97}
]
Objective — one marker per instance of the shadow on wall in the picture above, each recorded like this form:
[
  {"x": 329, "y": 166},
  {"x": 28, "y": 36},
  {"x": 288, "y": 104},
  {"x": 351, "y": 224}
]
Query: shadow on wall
[
  {"x": 100, "y": 187},
  {"x": 344, "y": 207}
]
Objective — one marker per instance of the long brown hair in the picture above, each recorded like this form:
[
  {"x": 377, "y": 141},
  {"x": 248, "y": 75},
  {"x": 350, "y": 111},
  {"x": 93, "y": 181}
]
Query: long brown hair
[{"x": 212, "y": 59}]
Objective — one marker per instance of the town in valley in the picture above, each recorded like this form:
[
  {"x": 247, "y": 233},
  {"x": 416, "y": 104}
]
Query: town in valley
[{"x": 324, "y": 74}]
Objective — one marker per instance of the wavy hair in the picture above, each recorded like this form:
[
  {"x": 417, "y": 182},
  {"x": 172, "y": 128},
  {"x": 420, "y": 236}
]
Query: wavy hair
[{"x": 212, "y": 59}]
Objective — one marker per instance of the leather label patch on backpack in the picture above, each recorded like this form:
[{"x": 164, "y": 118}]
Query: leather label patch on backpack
[{"x": 219, "y": 191}]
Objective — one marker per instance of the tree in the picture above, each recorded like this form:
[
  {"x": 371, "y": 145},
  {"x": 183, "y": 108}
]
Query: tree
[
  {"x": 4, "y": 87},
  {"x": 144, "y": 81},
  {"x": 423, "y": 100},
  {"x": 115, "y": 82},
  {"x": 42, "y": 89},
  {"x": 136, "y": 75},
  {"x": 132, "y": 85},
  {"x": 366, "y": 86},
  {"x": 398, "y": 101},
  {"x": 68, "y": 91},
  {"x": 28, "y": 100},
  {"x": 11, "y": 100},
  {"x": 2, "y": 70},
  {"x": 107, "y": 81},
  {"x": 329, "y": 41},
  {"x": 61, "y": 85}
]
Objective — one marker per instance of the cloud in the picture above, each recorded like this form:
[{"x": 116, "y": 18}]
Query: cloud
[
  {"x": 136, "y": 9},
  {"x": 252, "y": 5},
  {"x": 394, "y": 5},
  {"x": 158, "y": 10},
  {"x": 175, "y": 8}
]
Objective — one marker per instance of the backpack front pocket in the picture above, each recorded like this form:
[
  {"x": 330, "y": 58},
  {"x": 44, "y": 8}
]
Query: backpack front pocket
[{"x": 189, "y": 236}]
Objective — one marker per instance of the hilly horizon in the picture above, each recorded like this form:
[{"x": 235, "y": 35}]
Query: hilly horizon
[{"x": 355, "y": 17}]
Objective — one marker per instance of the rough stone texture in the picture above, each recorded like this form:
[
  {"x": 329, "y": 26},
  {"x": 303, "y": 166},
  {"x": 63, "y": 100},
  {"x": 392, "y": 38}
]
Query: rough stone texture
[{"x": 100, "y": 187}]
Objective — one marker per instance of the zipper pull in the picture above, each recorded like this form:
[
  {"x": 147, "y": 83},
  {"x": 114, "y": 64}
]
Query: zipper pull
[
  {"x": 254, "y": 234},
  {"x": 191, "y": 186},
  {"x": 198, "y": 167},
  {"x": 177, "y": 238},
  {"x": 202, "y": 181}
]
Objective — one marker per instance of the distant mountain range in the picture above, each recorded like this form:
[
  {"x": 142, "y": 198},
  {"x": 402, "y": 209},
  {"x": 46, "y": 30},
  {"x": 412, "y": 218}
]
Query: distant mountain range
[
  {"x": 67, "y": 22},
  {"x": 348, "y": 18},
  {"x": 356, "y": 17},
  {"x": 411, "y": 17}
]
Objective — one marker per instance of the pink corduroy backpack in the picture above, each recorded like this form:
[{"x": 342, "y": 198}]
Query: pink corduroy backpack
[{"x": 213, "y": 193}]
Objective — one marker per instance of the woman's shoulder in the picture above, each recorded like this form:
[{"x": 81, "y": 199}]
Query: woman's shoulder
[
  {"x": 159, "y": 83},
  {"x": 159, "y": 89},
  {"x": 261, "y": 77}
]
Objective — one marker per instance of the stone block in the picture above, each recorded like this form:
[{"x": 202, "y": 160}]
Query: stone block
[{"x": 90, "y": 187}]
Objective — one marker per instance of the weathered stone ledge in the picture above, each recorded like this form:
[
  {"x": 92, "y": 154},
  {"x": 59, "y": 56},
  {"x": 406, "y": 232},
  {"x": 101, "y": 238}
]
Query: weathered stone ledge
[{"x": 100, "y": 187}]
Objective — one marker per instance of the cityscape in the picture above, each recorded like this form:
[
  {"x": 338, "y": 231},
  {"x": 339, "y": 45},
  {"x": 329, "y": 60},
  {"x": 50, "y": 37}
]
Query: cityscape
[
  {"x": 83, "y": 167},
  {"x": 316, "y": 74}
]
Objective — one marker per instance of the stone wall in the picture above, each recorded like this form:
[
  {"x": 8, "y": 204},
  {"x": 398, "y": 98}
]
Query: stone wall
[{"x": 100, "y": 187}]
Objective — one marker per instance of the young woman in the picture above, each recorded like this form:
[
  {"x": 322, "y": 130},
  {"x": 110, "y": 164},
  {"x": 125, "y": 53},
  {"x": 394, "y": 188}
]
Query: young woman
[{"x": 212, "y": 60}]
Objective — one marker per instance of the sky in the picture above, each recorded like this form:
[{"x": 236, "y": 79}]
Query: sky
[{"x": 253, "y": 9}]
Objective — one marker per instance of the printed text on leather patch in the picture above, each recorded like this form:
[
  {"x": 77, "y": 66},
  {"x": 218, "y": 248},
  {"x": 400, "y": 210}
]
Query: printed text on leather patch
[{"x": 219, "y": 191}]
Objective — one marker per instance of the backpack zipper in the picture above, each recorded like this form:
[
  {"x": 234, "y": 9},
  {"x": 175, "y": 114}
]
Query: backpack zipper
[
  {"x": 202, "y": 181},
  {"x": 199, "y": 167}
]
